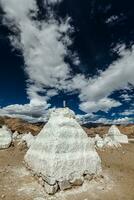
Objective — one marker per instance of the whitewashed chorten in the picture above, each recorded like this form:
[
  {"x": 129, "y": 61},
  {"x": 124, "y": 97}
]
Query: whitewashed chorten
[{"x": 62, "y": 154}]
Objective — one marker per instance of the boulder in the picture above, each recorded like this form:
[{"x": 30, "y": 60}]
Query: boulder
[
  {"x": 77, "y": 181},
  {"x": 28, "y": 139},
  {"x": 15, "y": 135},
  {"x": 64, "y": 185},
  {"x": 51, "y": 189},
  {"x": 5, "y": 137}
]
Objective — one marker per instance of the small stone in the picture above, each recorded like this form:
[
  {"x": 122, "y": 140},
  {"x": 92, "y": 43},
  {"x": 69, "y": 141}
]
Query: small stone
[
  {"x": 50, "y": 181},
  {"x": 15, "y": 134},
  {"x": 22, "y": 147},
  {"x": 51, "y": 189},
  {"x": 38, "y": 198},
  {"x": 77, "y": 181},
  {"x": 102, "y": 176},
  {"x": 64, "y": 185},
  {"x": 88, "y": 177},
  {"x": 99, "y": 178},
  {"x": 41, "y": 181},
  {"x": 3, "y": 196}
]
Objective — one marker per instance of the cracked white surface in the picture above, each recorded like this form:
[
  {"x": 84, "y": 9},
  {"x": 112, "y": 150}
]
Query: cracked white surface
[{"x": 62, "y": 149}]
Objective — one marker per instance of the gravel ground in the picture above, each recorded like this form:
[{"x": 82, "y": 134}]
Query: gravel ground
[{"x": 16, "y": 183}]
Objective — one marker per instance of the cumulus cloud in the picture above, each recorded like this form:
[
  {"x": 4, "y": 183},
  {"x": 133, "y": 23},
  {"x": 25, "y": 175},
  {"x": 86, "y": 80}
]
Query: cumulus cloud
[
  {"x": 128, "y": 112},
  {"x": 125, "y": 97},
  {"x": 94, "y": 92},
  {"x": 34, "y": 111},
  {"x": 44, "y": 49},
  {"x": 116, "y": 77},
  {"x": 42, "y": 44},
  {"x": 103, "y": 104},
  {"x": 87, "y": 118},
  {"x": 112, "y": 19},
  {"x": 124, "y": 120},
  {"x": 47, "y": 2}
]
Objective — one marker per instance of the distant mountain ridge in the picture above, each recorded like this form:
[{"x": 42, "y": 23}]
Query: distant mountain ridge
[{"x": 22, "y": 126}]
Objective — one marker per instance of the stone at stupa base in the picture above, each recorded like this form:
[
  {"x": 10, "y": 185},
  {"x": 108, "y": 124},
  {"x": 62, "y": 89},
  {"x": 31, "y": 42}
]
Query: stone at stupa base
[
  {"x": 51, "y": 189},
  {"x": 5, "y": 138},
  {"x": 64, "y": 185}
]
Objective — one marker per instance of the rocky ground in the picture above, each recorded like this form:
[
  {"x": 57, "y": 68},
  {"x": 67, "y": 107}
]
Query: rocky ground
[
  {"x": 16, "y": 183},
  {"x": 21, "y": 126}
]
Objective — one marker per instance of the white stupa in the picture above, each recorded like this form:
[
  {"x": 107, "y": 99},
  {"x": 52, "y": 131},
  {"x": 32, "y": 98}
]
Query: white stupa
[
  {"x": 28, "y": 138},
  {"x": 115, "y": 134},
  {"x": 15, "y": 135},
  {"x": 5, "y": 137},
  {"x": 62, "y": 154},
  {"x": 99, "y": 143}
]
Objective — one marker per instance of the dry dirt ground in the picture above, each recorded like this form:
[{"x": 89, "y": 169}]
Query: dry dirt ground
[{"x": 16, "y": 183}]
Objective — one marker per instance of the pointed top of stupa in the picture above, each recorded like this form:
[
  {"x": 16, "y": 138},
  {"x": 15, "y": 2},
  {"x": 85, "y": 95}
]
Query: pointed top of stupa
[
  {"x": 62, "y": 112},
  {"x": 113, "y": 130},
  {"x": 115, "y": 134}
]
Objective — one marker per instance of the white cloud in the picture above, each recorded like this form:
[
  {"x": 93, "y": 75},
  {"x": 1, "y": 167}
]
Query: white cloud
[
  {"x": 18, "y": 11},
  {"x": 125, "y": 97},
  {"x": 124, "y": 120},
  {"x": 112, "y": 19},
  {"x": 95, "y": 92},
  {"x": 103, "y": 104},
  {"x": 103, "y": 120},
  {"x": 42, "y": 45},
  {"x": 44, "y": 50},
  {"x": 87, "y": 118},
  {"x": 128, "y": 112},
  {"x": 116, "y": 77},
  {"x": 49, "y": 2},
  {"x": 34, "y": 111}
]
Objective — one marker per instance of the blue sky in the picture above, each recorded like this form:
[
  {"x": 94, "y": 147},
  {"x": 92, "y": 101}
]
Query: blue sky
[{"x": 78, "y": 51}]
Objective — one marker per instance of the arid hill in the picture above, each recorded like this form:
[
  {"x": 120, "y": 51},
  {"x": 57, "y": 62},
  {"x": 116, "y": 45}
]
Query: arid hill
[
  {"x": 103, "y": 129},
  {"x": 16, "y": 124}
]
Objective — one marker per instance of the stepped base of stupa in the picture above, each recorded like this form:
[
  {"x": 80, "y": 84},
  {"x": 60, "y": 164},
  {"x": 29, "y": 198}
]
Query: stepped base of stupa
[{"x": 51, "y": 187}]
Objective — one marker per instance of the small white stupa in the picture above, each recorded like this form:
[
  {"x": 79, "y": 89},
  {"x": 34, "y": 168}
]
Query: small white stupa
[
  {"x": 62, "y": 154},
  {"x": 5, "y": 137},
  {"x": 15, "y": 135},
  {"x": 115, "y": 134},
  {"x": 28, "y": 139},
  {"x": 99, "y": 143}
]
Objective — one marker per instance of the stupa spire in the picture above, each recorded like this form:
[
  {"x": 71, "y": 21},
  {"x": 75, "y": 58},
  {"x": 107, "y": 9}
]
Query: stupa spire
[{"x": 64, "y": 104}]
